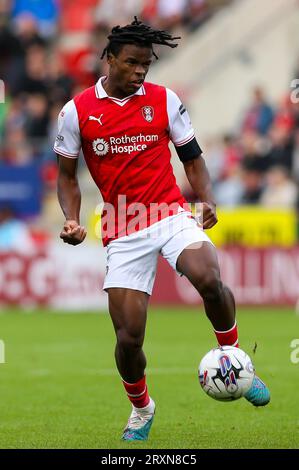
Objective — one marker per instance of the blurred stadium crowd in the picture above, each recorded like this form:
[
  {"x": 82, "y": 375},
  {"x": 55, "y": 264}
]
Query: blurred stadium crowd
[
  {"x": 258, "y": 162},
  {"x": 50, "y": 50}
]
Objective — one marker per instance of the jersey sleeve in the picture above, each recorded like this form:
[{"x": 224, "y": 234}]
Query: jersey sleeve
[
  {"x": 68, "y": 140},
  {"x": 181, "y": 131}
]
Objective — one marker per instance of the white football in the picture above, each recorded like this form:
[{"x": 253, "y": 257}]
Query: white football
[{"x": 226, "y": 373}]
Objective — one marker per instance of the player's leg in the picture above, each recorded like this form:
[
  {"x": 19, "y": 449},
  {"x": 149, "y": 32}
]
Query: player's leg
[
  {"x": 200, "y": 266},
  {"x": 128, "y": 311},
  {"x": 130, "y": 275}
]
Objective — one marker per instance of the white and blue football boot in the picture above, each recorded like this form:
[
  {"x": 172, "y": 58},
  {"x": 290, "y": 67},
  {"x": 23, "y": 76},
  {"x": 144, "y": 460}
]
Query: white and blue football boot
[
  {"x": 258, "y": 394},
  {"x": 139, "y": 423}
]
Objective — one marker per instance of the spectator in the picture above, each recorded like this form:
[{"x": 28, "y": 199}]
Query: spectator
[
  {"x": 26, "y": 30},
  {"x": 59, "y": 84},
  {"x": 259, "y": 116},
  {"x": 11, "y": 51},
  {"x": 17, "y": 149},
  {"x": 228, "y": 193},
  {"x": 228, "y": 189},
  {"x": 295, "y": 157},
  {"x": 14, "y": 234},
  {"x": 231, "y": 155},
  {"x": 284, "y": 116},
  {"x": 44, "y": 11},
  {"x": 35, "y": 79},
  {"x": 255, "y": 149},
  {"x": 281, "y": 149},
  {"x": 280, "y": 192},
  {"x": 37, "y": 121},
  {"x": 214, "y": 157},
  {"x": 252, "y": 182}
]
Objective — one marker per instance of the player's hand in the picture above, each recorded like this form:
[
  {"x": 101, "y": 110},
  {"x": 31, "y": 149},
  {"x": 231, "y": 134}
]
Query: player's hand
[
  {"x": 72, "y": 233},
  {"x": 209, "y": 215}
]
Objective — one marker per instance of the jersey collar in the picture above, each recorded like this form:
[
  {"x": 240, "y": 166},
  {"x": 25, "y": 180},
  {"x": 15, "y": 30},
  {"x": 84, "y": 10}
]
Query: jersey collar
[{"x": 101, "y": 93}]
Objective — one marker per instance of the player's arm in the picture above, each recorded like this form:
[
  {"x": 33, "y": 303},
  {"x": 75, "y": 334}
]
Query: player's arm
[
  {"x": 199, "y": 179},
  {"x": 189, "y": 152},
  {"x": 69, "y": 197},
  {"x": 67, "y": 147}
]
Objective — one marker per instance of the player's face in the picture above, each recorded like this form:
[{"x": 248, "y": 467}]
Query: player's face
[{"x": 129, "y": 68}]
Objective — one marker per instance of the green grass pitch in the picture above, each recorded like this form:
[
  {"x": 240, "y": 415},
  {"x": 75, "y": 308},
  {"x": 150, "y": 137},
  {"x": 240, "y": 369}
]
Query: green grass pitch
[{"x": 59, "y": 387}]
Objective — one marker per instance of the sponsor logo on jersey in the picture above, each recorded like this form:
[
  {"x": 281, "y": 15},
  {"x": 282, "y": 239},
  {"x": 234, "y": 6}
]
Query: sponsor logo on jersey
[
  {"x": 148, "y": 113},
  {"x": 93, "y": 118},
  {"x": 60, "y": 137},
  {"x": 100, "y": 147},
  {"x": 124, "y": 144}
]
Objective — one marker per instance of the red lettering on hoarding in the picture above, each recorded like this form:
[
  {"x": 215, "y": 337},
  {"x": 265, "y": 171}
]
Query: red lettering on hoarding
[
  {"x": 256, "y": 277},
  {"x": 60, "y": 278},
  {"x": 26, "y": 280}
]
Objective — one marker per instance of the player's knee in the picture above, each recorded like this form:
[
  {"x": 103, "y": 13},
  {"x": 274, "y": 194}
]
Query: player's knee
[
  {"x": 128, "y": 340},
  {"x": 210, "y": 285}
]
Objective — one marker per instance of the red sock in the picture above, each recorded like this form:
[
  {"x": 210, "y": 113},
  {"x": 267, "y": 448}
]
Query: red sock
[
  {"x": 137, "y": 393},
  {"x": 229, "y": 337}
]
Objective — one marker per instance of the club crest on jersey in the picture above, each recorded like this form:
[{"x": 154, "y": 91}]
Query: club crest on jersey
[
  {"x": 148, "y": 113},
  {"x": 100, "y": 147}
]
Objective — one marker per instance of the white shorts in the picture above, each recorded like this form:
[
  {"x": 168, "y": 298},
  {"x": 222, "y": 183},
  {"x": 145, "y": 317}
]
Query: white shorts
[{"x": 132, "y": 260}]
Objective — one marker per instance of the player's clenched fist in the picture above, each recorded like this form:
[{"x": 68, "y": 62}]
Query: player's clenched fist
[
  {"x": 72, "y": 233},
  {"x": 209, "y": 215}
]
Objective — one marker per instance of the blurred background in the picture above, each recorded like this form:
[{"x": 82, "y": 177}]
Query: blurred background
[
  {"x": 235, "y": 69},
  {"x": 237, "y": 72}
]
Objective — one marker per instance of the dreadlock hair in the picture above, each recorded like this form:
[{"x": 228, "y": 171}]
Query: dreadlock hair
[{"x": 139, "y": 34}]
